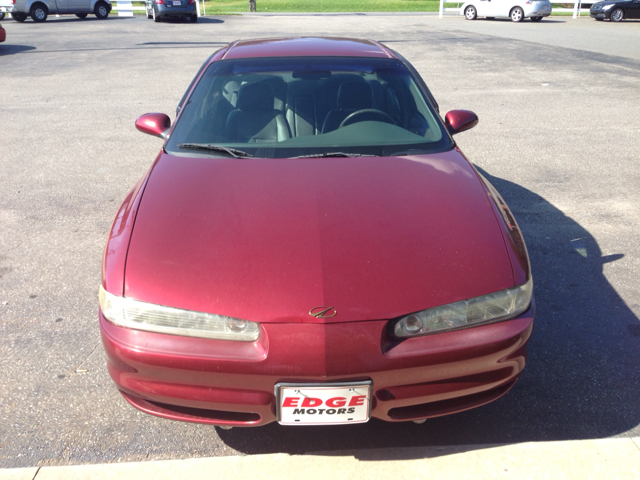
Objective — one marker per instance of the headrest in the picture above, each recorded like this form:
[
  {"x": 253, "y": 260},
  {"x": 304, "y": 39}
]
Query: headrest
[
  {"x": 230, "y": 91},
  {"x": 356, "y": 95},
  {"x": 255, "y": 97}
]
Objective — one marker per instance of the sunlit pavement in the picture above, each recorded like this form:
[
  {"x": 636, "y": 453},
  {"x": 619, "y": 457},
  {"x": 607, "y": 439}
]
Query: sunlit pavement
[{"x": 579, "y": 460}]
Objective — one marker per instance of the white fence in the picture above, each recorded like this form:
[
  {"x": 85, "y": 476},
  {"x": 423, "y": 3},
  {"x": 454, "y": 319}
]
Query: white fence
[{"x": 575, "y": 9}]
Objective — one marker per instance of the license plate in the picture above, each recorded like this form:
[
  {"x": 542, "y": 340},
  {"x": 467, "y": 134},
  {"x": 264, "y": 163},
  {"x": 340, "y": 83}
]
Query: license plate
[
  {"x": 176, "y": 3},
  {"x": 323, "y": 403}
]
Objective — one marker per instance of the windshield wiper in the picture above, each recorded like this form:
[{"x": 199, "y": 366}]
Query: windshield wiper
[
  {"x": 234, "y": 152},
  {"x": 335, "y": 154}
]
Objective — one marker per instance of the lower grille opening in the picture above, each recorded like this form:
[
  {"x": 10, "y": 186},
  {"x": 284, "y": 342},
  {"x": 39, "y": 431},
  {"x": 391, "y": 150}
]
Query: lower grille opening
[
  {"x": 191, "y": 414},
  {"x": 211, "y": 414},
  {"x": 444, "y": 407},
  {"x": 444, "y": 386}
]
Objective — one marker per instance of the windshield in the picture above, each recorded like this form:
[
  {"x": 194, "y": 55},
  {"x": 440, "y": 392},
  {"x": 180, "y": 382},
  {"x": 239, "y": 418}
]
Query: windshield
[{"x": 286, "y": 107}]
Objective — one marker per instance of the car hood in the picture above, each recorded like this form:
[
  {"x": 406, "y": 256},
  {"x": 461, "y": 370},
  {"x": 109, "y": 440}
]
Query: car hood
[{"x": 270, "y": 239}]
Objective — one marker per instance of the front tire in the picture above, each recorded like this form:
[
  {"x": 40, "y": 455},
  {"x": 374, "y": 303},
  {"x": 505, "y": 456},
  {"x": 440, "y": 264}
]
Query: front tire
[
  {"x": 2, "y": 15},
  {"x": 81, "y": 15},
  {"x": 617, "y": 15},
  {"x": 101, "y": 11},
  {"x": 517, "y": 14},
  {"x": 470, "y": 13},
  {"x": 39, "y": 13},
  {"x": 536, "y": 19},
  {"x": 19, "y": 17}
]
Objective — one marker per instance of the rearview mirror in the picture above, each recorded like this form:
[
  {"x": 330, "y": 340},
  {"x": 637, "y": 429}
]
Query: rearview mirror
[
  {"x": 458, "y": 121},
  {"x": 156, "y": 124}
]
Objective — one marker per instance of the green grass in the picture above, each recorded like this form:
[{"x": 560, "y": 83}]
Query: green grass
[
  {"x": 225, "y": 6},
  {"x": 221, "y": 7}
]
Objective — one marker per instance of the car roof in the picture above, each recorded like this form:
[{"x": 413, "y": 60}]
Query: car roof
[{"x": 307, "y": 47}]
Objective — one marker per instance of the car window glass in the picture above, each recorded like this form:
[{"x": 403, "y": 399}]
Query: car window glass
[{"x": 289, "y": 107}]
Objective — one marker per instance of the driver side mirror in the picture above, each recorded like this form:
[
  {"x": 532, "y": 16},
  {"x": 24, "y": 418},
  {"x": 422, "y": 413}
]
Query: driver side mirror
[
  {"x": 156, "y": 124},
  {"x": 458, "y": 121}
]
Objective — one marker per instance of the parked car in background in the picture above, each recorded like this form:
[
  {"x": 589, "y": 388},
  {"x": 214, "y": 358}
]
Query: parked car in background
[
  {"x": 39, "y": 10},
  {"x": 517, "y": 10},
  {"x": 311, "y": 247},
  {"x": 164, "y": 9},
  {"x": 5, "y": 7},
  {"x": 615, "y": 11}
]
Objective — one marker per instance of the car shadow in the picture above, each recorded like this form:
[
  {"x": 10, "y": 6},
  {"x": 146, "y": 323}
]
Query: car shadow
[
  {"x": 182, "y": 43},
  {"x": 186, "y": 20},
  {"x": 9, "y": 49},
  {"x": 209, "y": 20},
  {"x": 52, "y": 19},
  {"x": 544, "y": 20},
  {"x": 582, "y": 379}
]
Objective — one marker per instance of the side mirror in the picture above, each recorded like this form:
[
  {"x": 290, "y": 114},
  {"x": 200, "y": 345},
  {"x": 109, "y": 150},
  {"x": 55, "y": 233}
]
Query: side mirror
[
  {"x": 156, "y": 124},
  {"x": 458, "y": 121}
]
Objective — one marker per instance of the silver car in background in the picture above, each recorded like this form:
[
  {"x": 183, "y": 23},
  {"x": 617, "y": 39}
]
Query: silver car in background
[
  {"x": 516, "y": 10},
  {"x": 39, "y": 10}
]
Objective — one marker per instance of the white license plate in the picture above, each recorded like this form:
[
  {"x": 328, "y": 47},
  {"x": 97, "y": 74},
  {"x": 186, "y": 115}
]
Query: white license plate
[
  {"x": 323, "y": 403},
  {"x": 176, "y": 3}
]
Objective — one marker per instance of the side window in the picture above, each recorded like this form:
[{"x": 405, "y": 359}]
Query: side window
[
  {"x": 184, "y": 96},
  {"x": 422, "y": 121},
  {"x": 393, "y": 106}
]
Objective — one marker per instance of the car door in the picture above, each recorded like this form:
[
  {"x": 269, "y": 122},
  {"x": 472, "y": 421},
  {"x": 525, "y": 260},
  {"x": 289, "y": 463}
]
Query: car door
[
  {"x": 484, "y": 8},
  {"x": 62, "y": 6},
  {"x": 633, "y": 9},
  {"x": 500, "y": 8},
  {"x": 81, "y": 5}
]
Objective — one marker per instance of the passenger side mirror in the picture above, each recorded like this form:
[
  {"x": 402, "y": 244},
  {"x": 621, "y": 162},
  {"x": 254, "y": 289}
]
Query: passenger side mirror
[
  {"x": 458, "y": 121},
  {"x": 156, "y": 124}
]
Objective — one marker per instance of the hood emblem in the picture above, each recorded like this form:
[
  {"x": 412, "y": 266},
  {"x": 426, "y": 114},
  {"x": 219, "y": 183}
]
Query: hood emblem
[{"x": 323, "y": 312}]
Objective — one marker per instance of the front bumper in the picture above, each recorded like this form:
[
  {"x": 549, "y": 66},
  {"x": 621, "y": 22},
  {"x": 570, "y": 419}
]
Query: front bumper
[
  {"x": 602, "y": 14},
  {"x": 232, "y": 383}
]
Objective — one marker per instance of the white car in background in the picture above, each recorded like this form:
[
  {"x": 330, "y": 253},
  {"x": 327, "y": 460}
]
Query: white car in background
[
  {"x": 517, "y": 10},
  {"x": 39, "y": 10}
]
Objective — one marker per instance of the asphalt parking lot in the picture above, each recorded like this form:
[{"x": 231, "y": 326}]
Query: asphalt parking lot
[{"x": 559, "y": 136}]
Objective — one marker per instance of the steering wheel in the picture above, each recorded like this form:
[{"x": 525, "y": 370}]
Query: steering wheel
[{"x": 367, "y": 114}]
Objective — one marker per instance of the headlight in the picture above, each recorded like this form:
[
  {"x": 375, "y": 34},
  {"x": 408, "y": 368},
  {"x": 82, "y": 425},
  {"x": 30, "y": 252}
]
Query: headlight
[
  {"x": 130, "y": 313},
  {"x": 490, "y": 308},
  {"x": 608, "y": 7}
]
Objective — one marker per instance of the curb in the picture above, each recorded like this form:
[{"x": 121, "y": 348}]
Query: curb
[{"x": 617, "y": 458}]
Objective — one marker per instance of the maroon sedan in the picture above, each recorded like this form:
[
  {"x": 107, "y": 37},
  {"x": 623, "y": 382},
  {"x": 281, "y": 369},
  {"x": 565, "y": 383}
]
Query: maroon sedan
[{"x": 311, "y": 247}]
